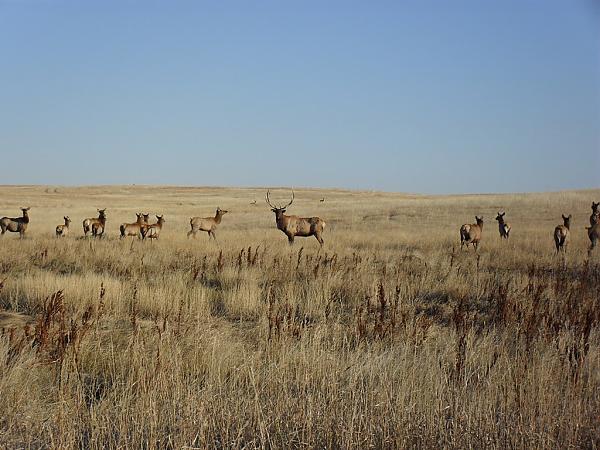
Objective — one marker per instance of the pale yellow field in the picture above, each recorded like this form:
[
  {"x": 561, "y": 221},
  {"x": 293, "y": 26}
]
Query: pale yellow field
[{"x": 389, "y": 336}]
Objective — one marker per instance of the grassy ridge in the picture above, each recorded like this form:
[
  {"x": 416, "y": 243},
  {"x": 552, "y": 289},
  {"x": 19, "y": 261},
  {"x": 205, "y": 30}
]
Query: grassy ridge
[{"x": 387, "y": 337}]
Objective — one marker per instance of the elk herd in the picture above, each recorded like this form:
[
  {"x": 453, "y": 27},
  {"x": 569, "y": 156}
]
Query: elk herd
[{"x": 291, "y": 226}]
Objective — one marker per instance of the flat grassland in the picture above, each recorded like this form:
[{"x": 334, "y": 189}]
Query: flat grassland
[{"x": 389, "y": 336}]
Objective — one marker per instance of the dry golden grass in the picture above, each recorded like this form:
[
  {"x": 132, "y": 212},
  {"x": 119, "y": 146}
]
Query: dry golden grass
[{"x": 388, "y": 337}]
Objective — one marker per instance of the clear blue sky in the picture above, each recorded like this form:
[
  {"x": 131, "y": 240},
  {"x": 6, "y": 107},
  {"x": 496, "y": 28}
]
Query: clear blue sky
[{"x": 417, "y": 96}]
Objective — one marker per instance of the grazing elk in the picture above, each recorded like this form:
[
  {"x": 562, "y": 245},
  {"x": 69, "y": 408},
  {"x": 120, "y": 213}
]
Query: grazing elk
[
  {"x": 16, "y": 224},
  {"x": 153, "y": 231},
  {"x": 562, "y": 234},
  {"x": 503, "y": 227},
  {"x": 594, "y": 235},
  {"x": 293, "y": 226},
  {"x": 132, "y": 229},
  {"x": 208, "y": 224},
  {"x": 95, "y": 225},
  {"x": 63, "y": 229},
  {"x": 595, "y": 217},
  {"x": 322, "y": 200},
  {"x": 471, "y": 233}
]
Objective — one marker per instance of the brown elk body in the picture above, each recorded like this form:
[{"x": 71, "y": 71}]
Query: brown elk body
[
  {"x": 145, "y": 223},
  {"x": 471, "y": 233},
  {"x": 595, "y": 217},
  {"x": 293, "y": 226},
  {"x": 153, "y": 231},
  {"x": 63, "y": 229},
  {"x": 132, "y": 229},
  {"x": 594, "y": 235},
  {"x": 208, "y": 224},
  {"x": 562, "y": 234},
  {"x": 503, "y": 227},
  {"x": 16, "y": 224},
  {"x": 95, "y": 225}
]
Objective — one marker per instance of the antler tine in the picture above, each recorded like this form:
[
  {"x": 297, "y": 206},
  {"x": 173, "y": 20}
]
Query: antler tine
[
  {"x": 291, "y": 201},
  {"x": 268, "y": 200}
]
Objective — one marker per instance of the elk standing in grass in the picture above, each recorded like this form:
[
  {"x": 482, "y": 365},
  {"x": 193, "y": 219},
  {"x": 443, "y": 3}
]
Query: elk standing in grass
[
  {"x": 132, "y": 229},
  {"x": 63, "y": 229},
  {"x": 293, "y": 226},
  {"x": 145, "y": 223},
  {"x": 595, "y": 217},
  {"x": 594, "y": 235},
  {"x": 208, "y": 224},
  {"x": 153, "y": 231},
  {"x": 562, "y": 234},
  {"x": 95, "y": 225},
  {"x": 503, "y": 227},
  {"x": 471, "y": 233},
  {"x": 16, "y": 224}
]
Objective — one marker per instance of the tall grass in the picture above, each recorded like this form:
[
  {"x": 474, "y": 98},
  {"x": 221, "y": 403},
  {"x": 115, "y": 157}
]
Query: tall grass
[{"x": 389, "y": 336}]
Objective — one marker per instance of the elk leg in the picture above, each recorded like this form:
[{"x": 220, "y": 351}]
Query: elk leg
[
  {"x": 319, "y": 238},
  {"x": 290, "y": 238}
]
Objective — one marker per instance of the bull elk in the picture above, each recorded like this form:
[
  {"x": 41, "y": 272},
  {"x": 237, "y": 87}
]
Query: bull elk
[
  {"x": 208, "y": 224},
  {"x": 562, "y": 234},
  {"x": 471, "y": 233},
  {"x": 595, "y": 217},
  {"x": 63, "y": 229},
  {"x": 16, "y": 224},
  {"x": 293, "y": 226},
  {"x": 95, "y": 225},
  {"x": 503, "y": 227},
  {"x": 153, "y": 231},
  {"x": 132, "y": 229}
]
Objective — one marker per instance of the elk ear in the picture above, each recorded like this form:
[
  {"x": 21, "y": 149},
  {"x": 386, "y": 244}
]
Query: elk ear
[
  {"x": 503, "y": 214},
  {"x": 570, "y": 216},
  {"x": 563, "y": 216}
]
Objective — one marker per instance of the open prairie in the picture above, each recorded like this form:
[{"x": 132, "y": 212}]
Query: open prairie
[{"x": 387, "y": 336}]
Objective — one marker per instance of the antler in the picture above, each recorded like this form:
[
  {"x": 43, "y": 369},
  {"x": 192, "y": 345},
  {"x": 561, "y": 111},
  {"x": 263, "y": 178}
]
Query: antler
[
  {"x": 279, "y": 207},
  {"x": 291, "y": 201},
  {"x": 268, "y": 200}
]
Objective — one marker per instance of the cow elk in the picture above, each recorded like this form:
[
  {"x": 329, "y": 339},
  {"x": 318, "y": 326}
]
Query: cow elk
[
  {"x": 208, "y": 224},
  {"x": 153, "y": 231},
  {"x": 503, "y": 227},
  {"x": 63, "y": 229},
  {"x": 132, "y": 229},
  {"x": 562, "y": 234},
  {"x": 594, "y": 235},
  {"x": 595, "y": 217},
  {"x": 95, "y": 225},
  {"x": 145, "y": 223},
  {"x": 471, "y": 233},
  {"x": 16, "y": 224},
  {"x": 293, "y": 226}
]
